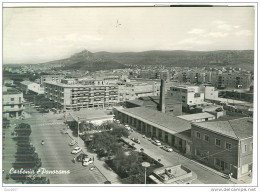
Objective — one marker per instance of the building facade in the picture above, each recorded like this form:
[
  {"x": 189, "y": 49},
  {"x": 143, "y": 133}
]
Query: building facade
[
  {"x": 190, "y": 96},
  {"x": 51, "y": 78},
  {"x": 224, "y": 145},
  {"x": 232, "y": 80},
  {"x": 133, "y": 90},
  {"x": 12, "y": 103},
  {"x": 33, "y": 87},
  {"x": 172, "y": 130},
  {"x": 70, "y": 95}
]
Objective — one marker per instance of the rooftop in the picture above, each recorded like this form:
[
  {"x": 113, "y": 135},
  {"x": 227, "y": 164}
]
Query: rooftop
[
  {"x": 77, "y": 85},
  {"x": 163, "y": 121},
  {"x": 237, "y": 128},
  {"x": 26, "y": 82},
  {"x": 196, "y": 116},
  {"x": 88, "y": 114},
  {"x": 153, "y": 101}
]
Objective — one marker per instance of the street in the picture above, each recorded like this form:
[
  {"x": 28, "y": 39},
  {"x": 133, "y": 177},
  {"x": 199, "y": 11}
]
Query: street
[
  {"x": 204, "y": 176},
  {"x": 56, "y": 153}
]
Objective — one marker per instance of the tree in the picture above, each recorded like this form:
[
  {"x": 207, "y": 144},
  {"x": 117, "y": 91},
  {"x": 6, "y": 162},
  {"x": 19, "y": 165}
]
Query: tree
[{"x": 23, "y": 130}]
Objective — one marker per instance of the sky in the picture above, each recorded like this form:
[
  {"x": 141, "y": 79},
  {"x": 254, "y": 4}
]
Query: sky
[{"x": 35, "y": 35}]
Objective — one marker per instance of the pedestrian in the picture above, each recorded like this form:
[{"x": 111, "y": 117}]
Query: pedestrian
[
  {"x": 93, "y": 159},
  {"x": 7, "y": 176},
  {"x": 74, "y": 160},
  {"x": 230, "y": 176}
]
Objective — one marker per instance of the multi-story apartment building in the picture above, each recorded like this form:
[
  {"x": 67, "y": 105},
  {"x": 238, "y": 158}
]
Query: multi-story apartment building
[
  {"x": 71, "y": 95},
  {"x": 190, "y": 96},
  {"x": 197, "y": 77},
  {"x": 224, "y": 145},
  {"x": 12, "y": 103},
  {"x": 232, "y": 80},
  {"x": 133, "y": 90},
  {"x": 51, "y": 78}
]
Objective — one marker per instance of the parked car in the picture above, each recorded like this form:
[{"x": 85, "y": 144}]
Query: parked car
[
  {"x": 76, "y": 150},
  {"x": 81, "y": 157},
  {"x": 86, "y": 161},
  {"x": 167, "y": 148},
  {"x": 156, "y": 142},
  {"x": 136, "y": 140}
]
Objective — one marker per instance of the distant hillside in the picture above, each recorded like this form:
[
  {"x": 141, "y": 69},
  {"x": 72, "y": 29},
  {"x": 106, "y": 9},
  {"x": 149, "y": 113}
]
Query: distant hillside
[
  {"x": 244, "y": 58},
  {"x": 86, "y": 60}
]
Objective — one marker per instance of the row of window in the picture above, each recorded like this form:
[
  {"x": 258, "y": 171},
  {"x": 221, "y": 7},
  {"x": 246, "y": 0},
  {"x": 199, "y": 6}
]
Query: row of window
[
  {"x": 217, "y": 141},
  {"x": 206, "y": 138}
]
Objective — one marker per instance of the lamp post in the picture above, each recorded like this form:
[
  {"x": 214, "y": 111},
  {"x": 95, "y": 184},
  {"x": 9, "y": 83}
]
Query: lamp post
[
  {"x": 145, "y": 165},
  {"x": 78, "y": 130}
]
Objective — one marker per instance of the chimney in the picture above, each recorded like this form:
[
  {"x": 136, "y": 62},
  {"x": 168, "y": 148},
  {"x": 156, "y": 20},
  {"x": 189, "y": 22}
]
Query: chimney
[{"x": 162, "y": 96}]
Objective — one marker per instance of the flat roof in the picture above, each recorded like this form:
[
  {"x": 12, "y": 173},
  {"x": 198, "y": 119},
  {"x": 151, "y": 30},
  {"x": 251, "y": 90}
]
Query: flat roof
[
  {"x": 237, "y": 128},
  {"x": 76, "y": 85},
  {"x": 167, "y": 123},
  {"x": 89, "y": 114},
  {"x": 27, "y": 82},
  {"x": 195, "y": 116}
]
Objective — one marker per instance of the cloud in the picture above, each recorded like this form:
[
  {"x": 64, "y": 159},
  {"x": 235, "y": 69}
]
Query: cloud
[
  {"x": 216, "y": 34},
  {"x": 196, "y": 31},
  {"x": 244, "y": 33},
  {"x": 196, "y": 41}
]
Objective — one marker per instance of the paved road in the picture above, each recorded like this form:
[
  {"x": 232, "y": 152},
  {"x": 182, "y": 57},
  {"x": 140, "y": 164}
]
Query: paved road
[
  {"x": 171, "y": 158},
  {"x": 56, "y": 153}
]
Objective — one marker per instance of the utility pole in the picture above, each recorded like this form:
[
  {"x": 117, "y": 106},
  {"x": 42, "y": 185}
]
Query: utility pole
[{"x": 78, "y": 130}]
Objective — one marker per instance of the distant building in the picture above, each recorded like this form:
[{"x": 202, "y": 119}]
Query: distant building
[
  {"x": 51, "y": 78},
  {"x": 12, "y": 103},
  {"x": 232, "y": 80},
  {"x": 71, "y": 95},
  {"x": 190, "y": 96},
  {"x": 225, "y": 145},
  {"x": 135, "y": 89},
  {"x": 33, "y": 87},
  {"x": 8, "y": 82},
  {"x": 210, "y": 93}
]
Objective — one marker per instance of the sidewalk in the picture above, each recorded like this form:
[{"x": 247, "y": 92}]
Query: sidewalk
[{"x": 108, "y": 173}]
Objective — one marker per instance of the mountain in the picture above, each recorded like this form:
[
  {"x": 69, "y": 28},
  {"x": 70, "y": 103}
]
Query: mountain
[
  {"x": 86, "y": 60},
  {"x": 234, "y": 58}
]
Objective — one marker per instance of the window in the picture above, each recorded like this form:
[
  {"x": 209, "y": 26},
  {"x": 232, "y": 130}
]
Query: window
[
  {"x": 226, "y": 166},
  {"x": 217, "y": 142},
  {"x": 217, "y": 162},
  {"x": 12, "y": 106},
  {"x": 12, "y": 99},
  {"x": 206, "y": 138},
  {"x": 198, "y": 135},
  {"x": 244, "y": 148},
  {"x": 228, "y": 146}
]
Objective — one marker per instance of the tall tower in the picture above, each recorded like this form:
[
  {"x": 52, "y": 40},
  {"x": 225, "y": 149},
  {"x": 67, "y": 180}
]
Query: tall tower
[{"x": 162, "y": 96}]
